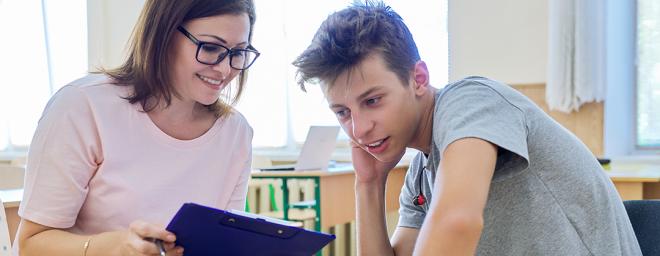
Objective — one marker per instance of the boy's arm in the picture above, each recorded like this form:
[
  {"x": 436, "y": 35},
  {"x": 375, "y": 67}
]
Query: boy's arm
[
  {"x": 455, "y": 220},
  {"x": 372, "y": 231},
  {"x": 371, "y": 228},
  {"x": 370, "y": 180},
  {"x": 403, "y": 240}
]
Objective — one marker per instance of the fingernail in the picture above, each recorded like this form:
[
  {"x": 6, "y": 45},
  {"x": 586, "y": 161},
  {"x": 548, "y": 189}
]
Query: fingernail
[
  {"x": 171, "y": 238},
  {"x": 180, "y": 250}
]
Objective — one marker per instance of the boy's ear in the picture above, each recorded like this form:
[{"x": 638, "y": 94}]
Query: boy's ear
[{"x": 420, "y": 77}]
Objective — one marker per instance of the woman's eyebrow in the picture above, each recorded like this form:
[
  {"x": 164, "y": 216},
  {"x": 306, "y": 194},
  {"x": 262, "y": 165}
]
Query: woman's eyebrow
[{"x": 221, "y": 39}]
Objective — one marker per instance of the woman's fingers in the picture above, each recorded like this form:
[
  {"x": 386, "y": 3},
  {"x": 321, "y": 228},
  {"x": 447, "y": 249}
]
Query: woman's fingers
[
  {"x": 148, "y": 230},
  {"x": 142, "y": 236},
  {"x": 178, "y": 251}
]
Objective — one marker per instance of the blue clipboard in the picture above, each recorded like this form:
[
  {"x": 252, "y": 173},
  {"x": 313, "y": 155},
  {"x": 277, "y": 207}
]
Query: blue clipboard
[{"x": 202, "y": 230}]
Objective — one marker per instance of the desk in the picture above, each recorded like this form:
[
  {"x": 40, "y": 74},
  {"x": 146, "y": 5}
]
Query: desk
[
  {"x": 335, "y": 193},
  {"x": 636, "y": 183},
  {"x": 338, "y": 205},
  {"x": 11, "y": 199}
]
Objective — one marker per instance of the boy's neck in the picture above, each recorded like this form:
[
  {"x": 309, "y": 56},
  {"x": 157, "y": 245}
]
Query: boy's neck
[{"x": 423, "y": 135}]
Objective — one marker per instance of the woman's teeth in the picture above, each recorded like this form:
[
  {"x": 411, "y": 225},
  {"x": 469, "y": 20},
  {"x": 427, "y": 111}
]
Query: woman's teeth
[{"x": 209, "y": 80}]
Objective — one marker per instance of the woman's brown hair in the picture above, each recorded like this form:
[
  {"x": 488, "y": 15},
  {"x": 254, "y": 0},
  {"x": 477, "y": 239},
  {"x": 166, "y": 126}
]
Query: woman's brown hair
[{"x": 148, "y": 65}]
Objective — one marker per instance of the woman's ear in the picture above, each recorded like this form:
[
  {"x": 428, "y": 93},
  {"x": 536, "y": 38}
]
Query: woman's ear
[{"x": 420, "y": 78}]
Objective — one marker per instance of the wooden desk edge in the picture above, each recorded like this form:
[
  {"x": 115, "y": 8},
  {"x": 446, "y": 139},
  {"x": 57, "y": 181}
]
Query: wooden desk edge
[
  {"x": 311, "y": 173},
  {"x": 635, "y": 179},
  {"x": 11, "y": 204}
]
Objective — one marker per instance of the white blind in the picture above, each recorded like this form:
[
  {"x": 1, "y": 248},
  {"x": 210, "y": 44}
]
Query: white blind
[{"x": 648, "y": 74}]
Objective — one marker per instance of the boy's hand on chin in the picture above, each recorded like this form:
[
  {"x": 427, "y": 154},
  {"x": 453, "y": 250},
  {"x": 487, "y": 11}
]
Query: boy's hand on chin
[{"x": 368, "y": 169}]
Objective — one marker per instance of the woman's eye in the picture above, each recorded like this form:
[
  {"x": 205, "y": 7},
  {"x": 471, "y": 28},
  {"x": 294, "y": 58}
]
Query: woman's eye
[
  {"x": 212, "y": 48},
  {"x": 238, "y": 53}
]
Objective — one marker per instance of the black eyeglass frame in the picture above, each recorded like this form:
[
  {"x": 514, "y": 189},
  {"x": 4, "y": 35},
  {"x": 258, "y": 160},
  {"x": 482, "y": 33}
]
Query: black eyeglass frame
[{"x": 222, "y": 56}]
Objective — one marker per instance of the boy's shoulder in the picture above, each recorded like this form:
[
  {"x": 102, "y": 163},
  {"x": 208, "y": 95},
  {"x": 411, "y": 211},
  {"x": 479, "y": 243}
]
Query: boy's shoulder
[
  {"x": 480, "y": 92},
  {"x": 477, "y": 82}
]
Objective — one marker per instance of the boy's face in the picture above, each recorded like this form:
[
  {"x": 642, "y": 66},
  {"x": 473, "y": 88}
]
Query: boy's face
[{"x": 374, "y": 108}]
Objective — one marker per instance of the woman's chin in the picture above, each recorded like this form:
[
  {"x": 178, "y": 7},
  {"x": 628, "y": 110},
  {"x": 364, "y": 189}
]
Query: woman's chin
[{"x": 208, "y": 100}]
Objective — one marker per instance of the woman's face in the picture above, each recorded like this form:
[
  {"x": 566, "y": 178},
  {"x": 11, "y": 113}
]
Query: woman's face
[{"x": 202, "y": 83}]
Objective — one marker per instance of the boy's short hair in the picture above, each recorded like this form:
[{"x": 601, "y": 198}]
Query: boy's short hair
[{"x": 348, "y": 36}]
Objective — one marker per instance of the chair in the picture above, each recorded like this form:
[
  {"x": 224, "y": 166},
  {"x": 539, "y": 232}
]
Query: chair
[
  {"x": 5, "y": 243},
  {"x": 645, "y": 218}
]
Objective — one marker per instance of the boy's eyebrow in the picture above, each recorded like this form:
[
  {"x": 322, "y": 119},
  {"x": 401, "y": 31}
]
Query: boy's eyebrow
[
  {"x": 336, "y": 106},
  {"x": 366, "y": 93},
  {"x": 360, "y": 97}
]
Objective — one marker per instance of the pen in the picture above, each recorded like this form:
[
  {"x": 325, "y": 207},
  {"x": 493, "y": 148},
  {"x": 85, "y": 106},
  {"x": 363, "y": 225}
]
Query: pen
[{"x": 161, "y": 248}]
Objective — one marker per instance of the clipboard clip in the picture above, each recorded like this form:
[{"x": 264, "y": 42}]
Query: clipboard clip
[{"x": 260, "y": 226}]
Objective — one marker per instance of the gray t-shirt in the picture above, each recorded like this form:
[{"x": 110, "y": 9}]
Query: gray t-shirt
[{"x": 548, "y": 196}]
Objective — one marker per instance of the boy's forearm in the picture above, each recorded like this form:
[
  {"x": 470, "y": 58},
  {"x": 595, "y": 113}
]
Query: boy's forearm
[
  {"x": 372, "y": 238},
  {"x": 453, "y": 233}
]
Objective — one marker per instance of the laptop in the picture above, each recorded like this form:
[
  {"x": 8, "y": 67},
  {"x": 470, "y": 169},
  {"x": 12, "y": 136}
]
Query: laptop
[{"x": 316, "y": 151}]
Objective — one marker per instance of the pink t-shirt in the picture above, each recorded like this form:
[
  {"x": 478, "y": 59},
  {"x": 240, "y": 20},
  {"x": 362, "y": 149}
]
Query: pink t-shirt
[{"x": 97, "y": 163}]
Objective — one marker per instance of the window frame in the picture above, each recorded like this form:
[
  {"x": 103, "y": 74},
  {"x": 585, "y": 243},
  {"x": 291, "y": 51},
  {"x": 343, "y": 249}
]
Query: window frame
[{"x": 637, "y": 148}]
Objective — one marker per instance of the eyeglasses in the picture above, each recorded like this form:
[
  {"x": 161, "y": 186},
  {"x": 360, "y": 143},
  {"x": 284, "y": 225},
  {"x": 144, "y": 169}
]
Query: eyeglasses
[{"x": 211, "y": 53}]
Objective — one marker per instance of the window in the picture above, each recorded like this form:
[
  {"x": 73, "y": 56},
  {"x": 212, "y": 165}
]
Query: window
[
  {"x": 50, "y": 49},
  {"x": 274, "y": 104},
  {"x": 648, "y": 74},
  {"x": 44, "y": 46}
]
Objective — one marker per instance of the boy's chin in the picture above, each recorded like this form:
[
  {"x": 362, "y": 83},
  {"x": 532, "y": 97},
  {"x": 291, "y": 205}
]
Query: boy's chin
[{"x": 388, "y": 157}]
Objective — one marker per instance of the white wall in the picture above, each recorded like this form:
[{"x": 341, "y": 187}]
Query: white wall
[
  {"x": 110, "y": 25},
  {"x": 505, "y": 40},
  {"x": 502, "y": 39}
]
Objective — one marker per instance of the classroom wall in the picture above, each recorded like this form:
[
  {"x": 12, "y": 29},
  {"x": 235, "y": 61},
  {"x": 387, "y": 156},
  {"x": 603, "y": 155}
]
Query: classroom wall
[
  {"x": 505, "y": 40},
  {"x": 501, "y": 39}
]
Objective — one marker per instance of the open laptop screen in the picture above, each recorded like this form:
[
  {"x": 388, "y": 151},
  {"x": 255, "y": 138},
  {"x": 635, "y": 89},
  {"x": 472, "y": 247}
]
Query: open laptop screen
[{"x": 316, "y": 151}]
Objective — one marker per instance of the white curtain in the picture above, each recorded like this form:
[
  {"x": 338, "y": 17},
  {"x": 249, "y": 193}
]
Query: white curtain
[{"x": 576, "y": 53}]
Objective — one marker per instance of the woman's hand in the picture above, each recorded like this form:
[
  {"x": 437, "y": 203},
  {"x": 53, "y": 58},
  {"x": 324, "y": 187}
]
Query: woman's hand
[{"x": 138, "y": 240}]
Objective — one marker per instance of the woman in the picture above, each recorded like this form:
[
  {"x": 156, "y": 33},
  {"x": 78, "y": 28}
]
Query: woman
[{"x": 117, "y": 153}]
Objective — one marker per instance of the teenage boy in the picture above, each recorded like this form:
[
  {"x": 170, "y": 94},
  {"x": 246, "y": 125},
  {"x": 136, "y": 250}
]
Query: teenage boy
[{"x": 495, "y": 175}]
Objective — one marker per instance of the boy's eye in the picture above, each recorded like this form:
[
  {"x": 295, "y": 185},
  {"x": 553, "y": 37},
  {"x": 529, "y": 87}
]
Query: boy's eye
[
  {"x": 373, "y": 101},
  {"x": 341, "y": 113}
]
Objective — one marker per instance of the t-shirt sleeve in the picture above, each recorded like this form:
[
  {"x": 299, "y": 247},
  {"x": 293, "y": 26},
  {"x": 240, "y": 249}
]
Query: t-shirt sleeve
[
  {"x": 239, "y": 195},
  {"x": 476, "y": 110},
  {"x": 64, "y": 154},
  {"x": 410, "y": 215}
]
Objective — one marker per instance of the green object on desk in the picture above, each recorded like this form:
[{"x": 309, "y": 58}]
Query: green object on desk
[
  {"x": 605, "y": 163},
  {"x": 273, "y": 203},
  {"x": 285, "y": 197}
]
